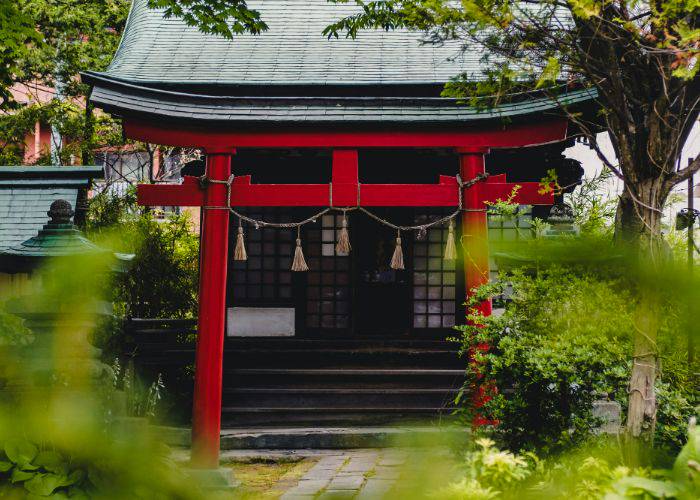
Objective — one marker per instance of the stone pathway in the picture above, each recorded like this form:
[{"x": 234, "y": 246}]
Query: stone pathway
[{"x": 362, "y": 474}]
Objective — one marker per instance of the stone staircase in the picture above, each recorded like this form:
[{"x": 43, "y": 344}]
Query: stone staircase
[
  {"x": 360, "y": 381},
  {"x": 327, "y": 381}
]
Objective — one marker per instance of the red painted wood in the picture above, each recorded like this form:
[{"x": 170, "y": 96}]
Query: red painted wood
[
  {"x": 474, "y": 226},
  {"x": 246, "y": 194},
  {"x": 345, "y": 178},
  {"x": 409, "y": 195},
  {"x": 206, "y": 413},
  {"x": 496, "y": 178},
  {"x": 187, "y": 194},
  {"x": 476, "y": 250},
  {"x": 481, "y": 137}
]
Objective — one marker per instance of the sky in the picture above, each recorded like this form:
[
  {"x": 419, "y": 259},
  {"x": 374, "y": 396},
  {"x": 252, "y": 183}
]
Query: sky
[{"x": 592, "y": 166}]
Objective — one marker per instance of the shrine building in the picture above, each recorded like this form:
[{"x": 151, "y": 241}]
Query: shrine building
[{"x": 306, "y": 136}]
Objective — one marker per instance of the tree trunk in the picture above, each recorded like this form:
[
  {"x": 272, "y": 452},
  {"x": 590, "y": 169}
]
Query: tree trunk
[
  {"x": 641, "y": 414},
  {"x": 638, "y": 231}
]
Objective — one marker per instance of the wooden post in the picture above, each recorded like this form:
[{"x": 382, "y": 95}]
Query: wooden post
[
  {"x": 206, "y": 415},
  {"x": 691, "y": 254},
  {"x": 474, "y": 224},
  {"x": 476, "y": 253}
]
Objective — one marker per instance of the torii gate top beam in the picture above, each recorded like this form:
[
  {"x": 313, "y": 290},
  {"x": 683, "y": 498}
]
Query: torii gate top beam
[{"x": 213, "y": 139}]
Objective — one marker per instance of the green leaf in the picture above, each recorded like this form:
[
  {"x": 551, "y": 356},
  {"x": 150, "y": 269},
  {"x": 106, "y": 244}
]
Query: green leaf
[
  {"x": 74, "y": 477},
  {"x": 550, "y": 73},
  {"x": 635, "y": 486},
  {"x": 21, "y": 452},
  {"x": 5, "y": 466},
  {"x": 52, "y": 461},
  {"x": 44, "y": 484},
  {"x": 78, "y": 493},
  {"x": 689, "y": 452},
  {"x": 21, "y": 475}
]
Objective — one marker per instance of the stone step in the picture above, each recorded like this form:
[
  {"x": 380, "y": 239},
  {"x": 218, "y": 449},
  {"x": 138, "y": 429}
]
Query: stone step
[
  {"x": 285, "y": 438},
  {"x": 340, "y": 398},
  {"x": 325, "y": 358},
  {"x": 311, "y": 416},
  {"x": 332, "y": 358},
  {"x": 339, "y": 378}
]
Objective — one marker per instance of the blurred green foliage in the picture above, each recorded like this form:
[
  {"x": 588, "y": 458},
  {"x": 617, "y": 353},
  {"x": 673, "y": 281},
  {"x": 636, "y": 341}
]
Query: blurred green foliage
[
  {"x": 564, "y": 341},
  {"x": 591, "y": 472},
  {"x": 61, "y": 434}
]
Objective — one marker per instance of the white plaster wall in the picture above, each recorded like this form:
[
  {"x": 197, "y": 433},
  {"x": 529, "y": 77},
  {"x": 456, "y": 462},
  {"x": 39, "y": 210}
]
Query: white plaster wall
[{"x": 260, "y": 322}]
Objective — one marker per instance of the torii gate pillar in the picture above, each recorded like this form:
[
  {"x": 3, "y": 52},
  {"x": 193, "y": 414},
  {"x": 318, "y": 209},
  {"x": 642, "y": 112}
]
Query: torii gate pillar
[
  {"x": 474, "y": 223},
  {"x": 475, "y": 243},
  {"x": 213, "y": 258}
]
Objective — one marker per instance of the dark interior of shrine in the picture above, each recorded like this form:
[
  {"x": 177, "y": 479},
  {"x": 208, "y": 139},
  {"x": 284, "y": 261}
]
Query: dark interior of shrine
[{"x": 359, "y": 294}]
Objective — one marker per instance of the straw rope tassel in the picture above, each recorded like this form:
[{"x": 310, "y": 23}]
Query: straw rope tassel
[
  {"x": 450, "y": 246},
  {"x": 397, "y": 258},
  {"x": 299, "y": 263},
  {"x": 343, "y": 246},
  {"x": 239, "y": 252}
]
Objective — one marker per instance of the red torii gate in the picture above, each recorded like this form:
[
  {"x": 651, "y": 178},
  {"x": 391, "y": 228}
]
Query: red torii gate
[{"x": 343, "y": 191}]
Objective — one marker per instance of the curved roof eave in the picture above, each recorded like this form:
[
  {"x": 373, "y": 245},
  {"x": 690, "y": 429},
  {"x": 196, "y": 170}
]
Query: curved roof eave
[{"x": 130, "y": 99}]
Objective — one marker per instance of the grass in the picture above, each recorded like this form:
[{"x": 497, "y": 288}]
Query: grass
[{"x": 267, "y": 478}]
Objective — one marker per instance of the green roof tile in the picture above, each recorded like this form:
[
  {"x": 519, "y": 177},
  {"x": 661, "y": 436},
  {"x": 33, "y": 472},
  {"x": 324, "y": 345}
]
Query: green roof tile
[
  {"x": 164, "y": 69},
  {"x": 292, "y": 51}
]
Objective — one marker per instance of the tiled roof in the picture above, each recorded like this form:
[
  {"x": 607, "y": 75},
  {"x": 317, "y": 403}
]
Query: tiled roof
[
  {"x": 292, "y": 51},
  {"x": 124, "y": 98},
  {"x": 292, "y": 74},
  {"x": 26, "y": 194}
]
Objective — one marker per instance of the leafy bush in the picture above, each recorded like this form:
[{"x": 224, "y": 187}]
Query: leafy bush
[
  {"x": 563, "y": 342},
  {"x": 595, "y": 472},
  {"x": 92, "y": 467},
  {"x": 163, "y": 276},
  {"x": 161, "y": 281}
]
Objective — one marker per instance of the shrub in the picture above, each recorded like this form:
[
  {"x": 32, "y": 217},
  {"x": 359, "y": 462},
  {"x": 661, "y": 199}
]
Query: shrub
[
  {"x": 592, "y": 472},
  {"x": 563, "y": 341},
  {"x": 161, "y": 281},
  {"x": 162, "y": 278}
]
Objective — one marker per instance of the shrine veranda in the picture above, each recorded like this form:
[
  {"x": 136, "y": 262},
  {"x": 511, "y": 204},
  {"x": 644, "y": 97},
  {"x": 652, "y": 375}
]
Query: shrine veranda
[{"x": 291, "y": 124}]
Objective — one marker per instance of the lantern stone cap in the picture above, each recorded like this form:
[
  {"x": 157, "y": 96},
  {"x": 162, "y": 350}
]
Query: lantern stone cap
[{"x": 58, "y": 238}]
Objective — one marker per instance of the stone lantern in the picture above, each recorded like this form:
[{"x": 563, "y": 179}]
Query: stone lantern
[{"x": 61, "y": 319}]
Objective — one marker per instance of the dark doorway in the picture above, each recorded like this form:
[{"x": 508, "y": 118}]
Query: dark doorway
[{"x": 382, "y": 294}]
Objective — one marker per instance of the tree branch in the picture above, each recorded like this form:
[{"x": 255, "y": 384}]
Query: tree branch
[{"x": 686, "y": 172}]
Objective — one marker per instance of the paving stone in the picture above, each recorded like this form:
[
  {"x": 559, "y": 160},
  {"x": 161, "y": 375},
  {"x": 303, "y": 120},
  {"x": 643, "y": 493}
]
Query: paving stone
[
  {"x": 359, "y": 465},
  {"x": 310, "y": 486},
  {"x": 392, "y": 460},
  {"x": 319, "y": 473},
  {"x": 330, "y": 462},
  {"x": 347, "y": 482},
  {"x": 376, "y": 488},
  {"x": 338, "y": 495},
  {"x": 292, "y": 496},
  {"x": 387, "y": 472}
]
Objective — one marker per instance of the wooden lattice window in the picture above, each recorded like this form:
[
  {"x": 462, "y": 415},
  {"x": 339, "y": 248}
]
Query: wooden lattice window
[
  {"x": 434, "y": 279},
  {"x": 265, "y": 278},
  {"x": 328, "y": 289}
]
